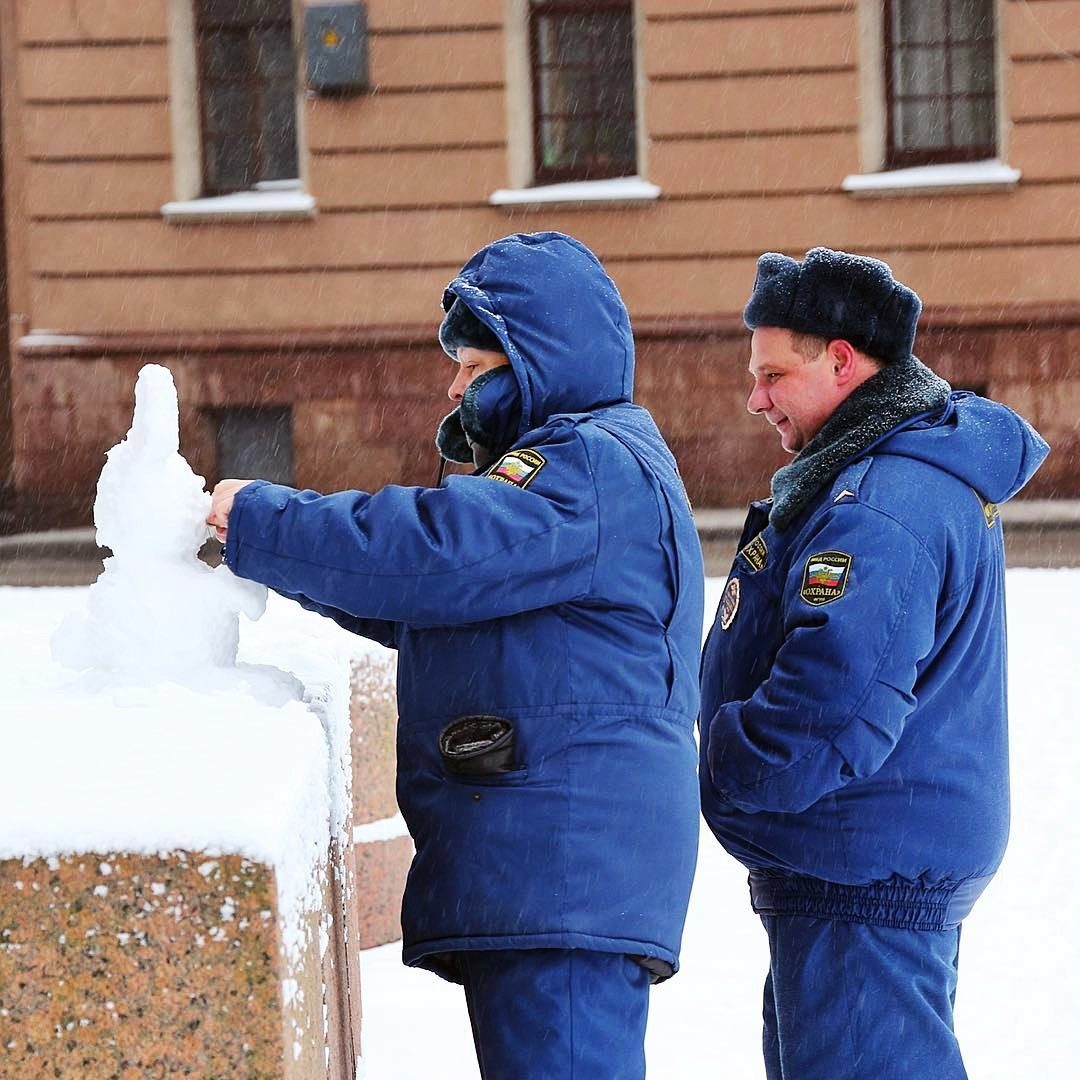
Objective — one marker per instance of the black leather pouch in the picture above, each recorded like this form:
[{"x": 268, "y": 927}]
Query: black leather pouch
[{"x": 478, "y": 746}]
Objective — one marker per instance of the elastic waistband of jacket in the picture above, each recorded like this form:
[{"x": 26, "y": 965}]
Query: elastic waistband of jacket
[{"x": 900, "y": 905}]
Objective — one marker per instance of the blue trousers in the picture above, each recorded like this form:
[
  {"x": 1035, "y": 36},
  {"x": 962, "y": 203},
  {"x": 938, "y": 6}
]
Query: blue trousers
[
  {"x": 847, "y": 1001},
  {"x": 554, "y": 1014}
]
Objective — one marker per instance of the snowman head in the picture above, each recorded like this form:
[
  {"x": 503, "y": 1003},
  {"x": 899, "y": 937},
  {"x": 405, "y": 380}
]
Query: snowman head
[{"x": 150, "y": 505}]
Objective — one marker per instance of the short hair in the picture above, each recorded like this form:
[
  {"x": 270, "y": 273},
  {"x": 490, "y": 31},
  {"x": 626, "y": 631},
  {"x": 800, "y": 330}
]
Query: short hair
[{"x": 808, "y": 346}]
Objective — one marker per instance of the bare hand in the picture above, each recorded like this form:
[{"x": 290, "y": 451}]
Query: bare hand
[{"x": 221, "y": 503}]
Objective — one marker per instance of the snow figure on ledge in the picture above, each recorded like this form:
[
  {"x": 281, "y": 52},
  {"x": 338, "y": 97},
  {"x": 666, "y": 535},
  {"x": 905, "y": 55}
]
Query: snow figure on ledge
[{"x": 156, "y": 612}]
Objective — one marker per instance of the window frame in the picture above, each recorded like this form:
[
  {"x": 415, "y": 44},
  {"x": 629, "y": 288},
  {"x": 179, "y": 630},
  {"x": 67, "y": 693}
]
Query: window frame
[
  {"x": 256, "y": 86},
  {"x": 541, "y": 174},
  {"x": 896, "y": 157}
]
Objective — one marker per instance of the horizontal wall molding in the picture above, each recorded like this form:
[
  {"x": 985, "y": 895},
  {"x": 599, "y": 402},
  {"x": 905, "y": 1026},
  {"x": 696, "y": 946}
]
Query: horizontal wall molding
[
  {"x": 404, "y": 148},
  {"x": 94, "y": 43},
  {"x": 749, "y": 13},
  {"x": 1024, "y": 317},
  {"x": 752, "y": 73},
  {"x": 763, "y": 133},
  {"x": 422, "y": 31}
]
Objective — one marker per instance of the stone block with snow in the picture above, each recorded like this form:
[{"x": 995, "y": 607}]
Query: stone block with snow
[{"x": 176, "y": 856}]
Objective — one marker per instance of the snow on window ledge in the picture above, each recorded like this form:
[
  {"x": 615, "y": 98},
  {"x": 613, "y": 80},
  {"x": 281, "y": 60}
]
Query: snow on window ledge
[
  {"x": 989, "y": 175},
  {"x": 623, "y": 189},
  {"x": 281, "y": 200}
]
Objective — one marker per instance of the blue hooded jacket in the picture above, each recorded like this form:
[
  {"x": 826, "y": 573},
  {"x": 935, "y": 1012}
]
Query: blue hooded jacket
[
  {"x": 853, "y": 732},
  {"x": 558, "y": 592}
]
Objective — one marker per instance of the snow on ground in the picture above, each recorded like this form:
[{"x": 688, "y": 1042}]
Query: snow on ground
[{"x": 1019, "y": 959}]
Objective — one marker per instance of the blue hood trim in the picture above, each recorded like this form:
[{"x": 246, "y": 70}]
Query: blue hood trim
[
  {"x": 543, "y": 294},
  {"x": 984, "y": 443}
]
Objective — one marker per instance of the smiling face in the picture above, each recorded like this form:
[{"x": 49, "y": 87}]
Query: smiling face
[
  {"x": 472, "y": 362},
  {"x": 795, "y": 394}
]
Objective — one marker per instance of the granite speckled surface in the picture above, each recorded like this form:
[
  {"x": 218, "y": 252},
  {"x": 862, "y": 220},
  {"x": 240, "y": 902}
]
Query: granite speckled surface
[
  {"x": 140, "y": 966},
  {"x": 381, "y": 865},
  {"x": 373, "y": 714}
]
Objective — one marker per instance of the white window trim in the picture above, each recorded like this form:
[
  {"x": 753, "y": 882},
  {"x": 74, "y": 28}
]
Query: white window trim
[
  {"x": 874, "y": 181},
  {"x": 275, "y": 200},
  {"x": 990, "y": 175},
  {"x": 519, "y": 127},
  {"x": 621, "y": 189}
]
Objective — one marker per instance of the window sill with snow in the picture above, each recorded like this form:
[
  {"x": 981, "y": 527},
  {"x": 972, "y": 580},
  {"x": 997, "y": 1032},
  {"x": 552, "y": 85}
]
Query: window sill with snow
[
  {"x": 957, "y": 177},
  {"x": 273, "y": 200},
  {"x": 623, "y": 191}
]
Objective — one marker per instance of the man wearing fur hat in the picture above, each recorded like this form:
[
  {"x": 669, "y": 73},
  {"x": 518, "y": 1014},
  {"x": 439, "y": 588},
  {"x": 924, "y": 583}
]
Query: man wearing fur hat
[
  {"x": 547, "y": 612},
  {"x": 853, "y": 729}
]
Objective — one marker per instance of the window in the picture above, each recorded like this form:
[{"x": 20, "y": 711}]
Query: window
[
  {"x": 940, "y": 81},
  {"x": 247, "y": 90},
  {"x": 582, "y": 58},
  {"x": 255, "y": 442}
]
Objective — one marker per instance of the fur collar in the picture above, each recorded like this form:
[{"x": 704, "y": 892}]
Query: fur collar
[{"x": 896, "y": 393}]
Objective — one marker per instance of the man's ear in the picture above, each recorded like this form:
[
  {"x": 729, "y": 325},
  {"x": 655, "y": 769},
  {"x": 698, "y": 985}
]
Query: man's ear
[{"x": 843, "y": 357}]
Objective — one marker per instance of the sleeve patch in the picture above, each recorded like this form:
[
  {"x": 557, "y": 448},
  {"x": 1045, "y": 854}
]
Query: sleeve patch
[
  {"x": 756, "y": 553},
  {"x": 519, "y": 467},
  {"x": 825, "y": 577}
]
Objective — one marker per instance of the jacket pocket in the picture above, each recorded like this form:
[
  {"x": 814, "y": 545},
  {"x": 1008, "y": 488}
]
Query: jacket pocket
[{"x": 480, "y": 748}]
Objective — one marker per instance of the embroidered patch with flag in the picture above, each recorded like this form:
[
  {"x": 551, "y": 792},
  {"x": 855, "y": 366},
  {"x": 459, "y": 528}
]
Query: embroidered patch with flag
[
  {"x": 729, "y": 603},
  {"x": 519, "y": 467},
  {"x": 756, "y": 553},
  {"x": 825, "y": 577}
]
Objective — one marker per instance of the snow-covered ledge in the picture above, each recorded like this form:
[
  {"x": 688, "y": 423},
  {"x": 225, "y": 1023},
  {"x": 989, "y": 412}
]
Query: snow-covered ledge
[
  {"x": 623, "y": 190},
  {"x": 281, "y": 200},
  {"x": 989, "y": 175}
]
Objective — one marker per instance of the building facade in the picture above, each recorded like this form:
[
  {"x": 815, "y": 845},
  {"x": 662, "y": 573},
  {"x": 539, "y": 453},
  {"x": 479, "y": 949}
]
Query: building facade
[{"x": 268, "y": 198}]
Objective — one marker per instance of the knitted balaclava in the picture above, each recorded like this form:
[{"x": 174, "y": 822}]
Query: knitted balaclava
[{"x": 486, "y": 421}]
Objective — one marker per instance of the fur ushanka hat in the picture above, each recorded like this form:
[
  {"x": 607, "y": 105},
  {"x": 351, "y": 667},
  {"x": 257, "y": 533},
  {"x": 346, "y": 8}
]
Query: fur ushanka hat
[
  {"x": 462, "y": 327},
  {"x": 836, "y": 295}
]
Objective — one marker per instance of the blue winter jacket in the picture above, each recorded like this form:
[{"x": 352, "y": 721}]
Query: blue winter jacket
[
  {"x": 559, "y": 592},
  {"x": 853, "y": 731}
]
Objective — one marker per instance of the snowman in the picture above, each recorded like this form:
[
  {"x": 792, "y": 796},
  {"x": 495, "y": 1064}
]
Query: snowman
[{"x": 156, "y": 612}]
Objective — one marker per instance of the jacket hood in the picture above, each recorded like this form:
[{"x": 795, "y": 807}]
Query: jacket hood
[
  {"x": 560, "y": 320},
  {"x": 983, "y": 443}
]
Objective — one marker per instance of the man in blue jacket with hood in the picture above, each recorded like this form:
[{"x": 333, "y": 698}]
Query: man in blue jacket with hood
[
  {"x": 853, "y": 731},
  {"x": 547, "y": 614}
]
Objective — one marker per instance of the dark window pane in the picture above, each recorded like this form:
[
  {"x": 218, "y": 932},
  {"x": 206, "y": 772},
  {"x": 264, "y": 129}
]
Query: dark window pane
[
  {"x": 228, "y": 109},
  {"x": 584, "y": 81},
  {"x": 921, "y": 70},
  {"x": 942, "y": 80},
  {"x": 225, "y": 55},
  {"x": 230, "y": 163},
  {"x": 244, "y": 12},
  {"x": 274, "y": 57},
  {"x": 614, "y": 90},
  {"x": 970, "y": 19},
  {"x": 248, "y": 72},
  {"x": 973, "y": 122},
  {"x": 278, "y": 138},
  {"x": 918, "y": 20},
  {"x": 973, "y": 69},
  {"x": 256, "y": 443},
  {"x": 922, "y": 125}
]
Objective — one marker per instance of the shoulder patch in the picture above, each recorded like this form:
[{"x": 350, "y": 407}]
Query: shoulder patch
[
  {"x": 825, "y": 577},
  {"x": 729, "y": 603},
  {"x": 756, "y": 553},
  {"x": 519, "y": 467}
]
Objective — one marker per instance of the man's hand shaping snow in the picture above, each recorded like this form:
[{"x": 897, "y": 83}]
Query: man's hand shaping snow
[{"x": 221, "y": 503}]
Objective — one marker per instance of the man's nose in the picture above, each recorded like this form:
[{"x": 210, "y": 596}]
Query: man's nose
[
  {"x": 457, "y": 387},
  {"x": 758, "y": 401}
]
